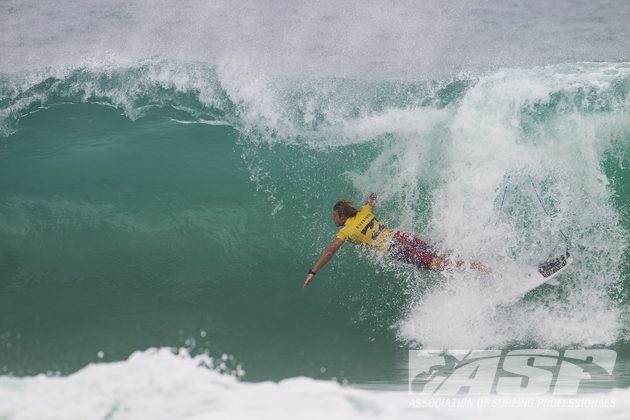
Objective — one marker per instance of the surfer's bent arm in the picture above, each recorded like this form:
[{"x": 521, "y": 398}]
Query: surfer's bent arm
[
  {"x": 325, "y": 257},
  {"x": 371, "y": 200}
]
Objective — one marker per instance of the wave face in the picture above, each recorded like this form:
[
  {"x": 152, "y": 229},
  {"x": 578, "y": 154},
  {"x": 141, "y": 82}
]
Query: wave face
[{"x": 154, "y": 193}]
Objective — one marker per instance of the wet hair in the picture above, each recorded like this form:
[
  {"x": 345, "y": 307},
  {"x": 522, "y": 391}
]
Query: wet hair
[{"x": 345, "y": 208}]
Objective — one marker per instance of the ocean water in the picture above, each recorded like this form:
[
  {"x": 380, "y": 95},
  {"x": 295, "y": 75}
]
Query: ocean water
[{"x": 167, "y": 173}]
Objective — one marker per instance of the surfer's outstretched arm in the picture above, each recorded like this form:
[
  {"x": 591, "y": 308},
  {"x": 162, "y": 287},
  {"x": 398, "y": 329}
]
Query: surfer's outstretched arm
[{"x": 325, "y": 257}]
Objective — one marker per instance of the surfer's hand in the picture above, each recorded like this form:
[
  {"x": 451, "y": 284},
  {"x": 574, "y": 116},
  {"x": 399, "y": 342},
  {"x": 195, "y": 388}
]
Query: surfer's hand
[
  {"x": 371, "y": 200},
  {"x": 309, "y": 278}
]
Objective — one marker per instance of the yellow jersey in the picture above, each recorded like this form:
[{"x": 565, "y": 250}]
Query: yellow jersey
[{"x": 365, "y": 229}]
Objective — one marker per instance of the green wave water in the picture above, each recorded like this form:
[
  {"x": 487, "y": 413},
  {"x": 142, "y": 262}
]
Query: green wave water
[{"x": 171, "y": 204}]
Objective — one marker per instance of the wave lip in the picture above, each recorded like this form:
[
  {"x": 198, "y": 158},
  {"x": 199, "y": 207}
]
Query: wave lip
[{"x": 190, "y": 90}]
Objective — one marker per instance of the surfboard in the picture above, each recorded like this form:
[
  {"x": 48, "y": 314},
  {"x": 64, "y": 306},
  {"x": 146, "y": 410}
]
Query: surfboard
[{"x": 533, "y": 277}]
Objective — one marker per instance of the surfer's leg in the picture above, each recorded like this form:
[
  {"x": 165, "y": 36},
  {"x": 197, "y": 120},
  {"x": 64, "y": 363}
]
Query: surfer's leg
[
  {"x": 440, "y": 263},
  {"x": 479, "y": 266},
  {"x": 410, "y": 249},
  {"x": 460, "y": 264}
]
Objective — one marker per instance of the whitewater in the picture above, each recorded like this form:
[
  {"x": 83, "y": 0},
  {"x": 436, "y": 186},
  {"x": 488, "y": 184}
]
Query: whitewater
[{"x": 162, "y": 384}]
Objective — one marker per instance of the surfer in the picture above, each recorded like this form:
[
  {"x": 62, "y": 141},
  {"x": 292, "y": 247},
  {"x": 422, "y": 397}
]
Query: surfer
[{"x": 362, "y": 228}]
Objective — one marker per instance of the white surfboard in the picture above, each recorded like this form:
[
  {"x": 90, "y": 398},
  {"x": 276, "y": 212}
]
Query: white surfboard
[{"x": 533, "y": 277}]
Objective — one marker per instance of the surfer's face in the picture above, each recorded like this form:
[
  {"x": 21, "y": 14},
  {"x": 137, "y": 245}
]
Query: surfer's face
[{"x": 339, "y": 219}]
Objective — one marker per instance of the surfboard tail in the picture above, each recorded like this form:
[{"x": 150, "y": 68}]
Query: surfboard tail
[{"x": 552, "y": 266}]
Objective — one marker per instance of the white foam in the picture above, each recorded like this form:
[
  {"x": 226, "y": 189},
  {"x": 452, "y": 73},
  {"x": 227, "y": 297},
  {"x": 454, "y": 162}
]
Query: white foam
[
  {"x": 201, "y": 121},
  {"x": 489, "y": 149},
  {"x": 158, "y": 384}
]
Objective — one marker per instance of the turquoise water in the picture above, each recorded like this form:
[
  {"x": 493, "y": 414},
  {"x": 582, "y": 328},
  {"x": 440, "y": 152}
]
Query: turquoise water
[
  {"x": 138, "y": 213},
  {"x": 155, "y": 230}
]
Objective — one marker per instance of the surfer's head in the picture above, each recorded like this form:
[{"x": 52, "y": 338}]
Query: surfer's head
[{"x": 343, "y": 210}]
